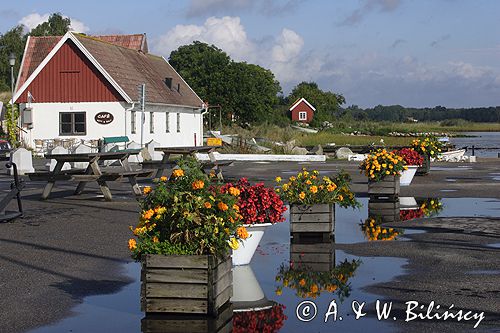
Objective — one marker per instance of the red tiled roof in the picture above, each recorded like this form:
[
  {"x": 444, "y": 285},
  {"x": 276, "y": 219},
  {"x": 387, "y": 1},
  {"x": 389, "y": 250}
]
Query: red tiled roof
[
  {"x": 136, "y": 42},
  {"x": 38, "y": 48},
  {"x": 127, "y": 67}
]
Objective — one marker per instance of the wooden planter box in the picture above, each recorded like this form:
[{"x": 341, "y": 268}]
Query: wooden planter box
[
  {"x": 425, "y": 167},
  {"x": 193, "y": 284},
  {"x": 312, "y": 221},
  {"x": 168, "y": 323},
  {"x": 385, "y": 211},
  {"x": 316, "y": 257},
  {"x": 387, "y": 187}
]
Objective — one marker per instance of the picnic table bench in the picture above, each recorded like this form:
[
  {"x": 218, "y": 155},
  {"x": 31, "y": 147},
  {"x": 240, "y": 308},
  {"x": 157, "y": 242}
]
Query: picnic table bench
[
  {"x": 92, "y": 173},
  {"x": 165, "y": 162}
]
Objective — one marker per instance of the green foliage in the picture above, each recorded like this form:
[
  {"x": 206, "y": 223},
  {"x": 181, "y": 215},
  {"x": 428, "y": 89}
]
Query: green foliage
[
  {"x": 247, "y": 93},
  {"x": 11, "y": 126},
  {"x": 56, "y": 25},
  {"x": 12, "y": 41}
]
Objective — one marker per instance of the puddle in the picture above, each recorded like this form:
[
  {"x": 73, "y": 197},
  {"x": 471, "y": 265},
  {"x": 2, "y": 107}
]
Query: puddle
[
  {"x": 484, "y": 272},
  {"x": 458, "y": 168},
  {"x": 450, "y": 180},
  {"x": 496, "y": 178},
  {"x": 448, "y": 190},
  {"x": 120, "y": 312}
]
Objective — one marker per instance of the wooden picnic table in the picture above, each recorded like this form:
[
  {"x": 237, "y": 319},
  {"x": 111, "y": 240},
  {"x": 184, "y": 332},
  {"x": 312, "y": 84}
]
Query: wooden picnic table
[
  {"x": 93, "y": 172},
  {"x": 184, "y": 151}
]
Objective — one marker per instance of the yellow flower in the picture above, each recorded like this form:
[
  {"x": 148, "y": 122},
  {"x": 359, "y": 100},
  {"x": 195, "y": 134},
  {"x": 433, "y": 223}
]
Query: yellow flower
[
  {"x": 147, "y": 189},
  {"x": 212, "y": 174},
  {"x": 278, "y": 179},
  {"x": 302, "y": 195},
  {"x": 222, "y": 206},
  {"x": 242, "y": 232},
  {"x": 207, "y": 205},
  {"x": 234, "y": 191},
  {"x": 155, "y": 239},
  {"x": 233, "y": 243},
  {"x": 340, "y": 197},
  {"x": 178, "y": 173},
  {"x": 285, "y": 187},
  {"x": 292, "y": 179},
  {"x": 313, "y": 189},
  {"x": 163, "y": 178},
  {"x": 279, "y": 292},
  {"x": 236, "y": 207},
  {"x": 132, "y": 244},
  {"x": 198, "y": 184}
]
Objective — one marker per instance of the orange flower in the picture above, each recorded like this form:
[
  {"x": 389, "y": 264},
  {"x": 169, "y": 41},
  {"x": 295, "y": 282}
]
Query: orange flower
[
  {"x": 234, "y": 191},
  {"x": 155, "y": 239},
  {"x": 331, "y": 187},
  {"x": 302, "y": 282},
  {"x": 242, "y": 232},
  {"x": 198, "y": 184},
  {"x": 163, "y": 178},
  {"x": 178, "y": 173},
  {"x": 207, "y": 205},
  {"x": 313, "y": 189},
  {"x": 314, "y": 288},
  {"x": 331, "y": 288},
  {"x": 132, "y": 244},
  {"x": 148, "y": 214},
  {"x": 147, "y": 190},
  {"x": 302, "y": 195},
  {"x": 340, "y": 197},
  {"x": 222, "y": 206},
  {"x": 236, "y": 207}
]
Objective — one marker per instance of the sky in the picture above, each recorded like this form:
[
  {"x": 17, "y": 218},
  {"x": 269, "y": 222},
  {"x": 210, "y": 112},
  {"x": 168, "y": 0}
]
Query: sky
[{"x": 415, "y": 53}]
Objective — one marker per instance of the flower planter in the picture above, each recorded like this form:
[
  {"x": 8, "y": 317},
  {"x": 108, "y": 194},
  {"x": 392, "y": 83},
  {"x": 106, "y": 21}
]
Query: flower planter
[
  {"x": 407, "y": 175},
  {"x": 191, "y": 284},
  {"x": 317, "y": 256},
  {"x": 388, "y": 188},
  {"x": 425, "y": 167},
  {"x": 174, "y": 323},
  {"x": 247, "y": 293},
  {"x": 384, "y": 211},
  {"x": 243, "y": 255},
  {"x": 312, "y": 221}
]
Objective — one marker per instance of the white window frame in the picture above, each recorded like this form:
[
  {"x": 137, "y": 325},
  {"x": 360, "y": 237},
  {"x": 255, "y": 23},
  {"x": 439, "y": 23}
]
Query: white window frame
[
  {"x": 133, "y": 128},
  {"x": 151, "y": 122},
  {"x": 302, "y": 115},
  {"x": 178, "y": 122}
]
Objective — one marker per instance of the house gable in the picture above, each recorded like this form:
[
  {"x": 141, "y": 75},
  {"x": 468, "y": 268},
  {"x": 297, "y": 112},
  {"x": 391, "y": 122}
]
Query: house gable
[
  {"x": 69, "y": 76},
  {"x": 302, "y": 111}
]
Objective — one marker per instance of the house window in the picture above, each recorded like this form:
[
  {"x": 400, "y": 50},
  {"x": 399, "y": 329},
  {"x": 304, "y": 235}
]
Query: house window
[
  {"x": 178, "y": 122},
  {"x": 167, "y": 122},
  {"x": 132, "y": 122},
  {"x": 302, "y": 115},
  {"x": 72, "y": 123},
  {"x": 151, "y": 122}
]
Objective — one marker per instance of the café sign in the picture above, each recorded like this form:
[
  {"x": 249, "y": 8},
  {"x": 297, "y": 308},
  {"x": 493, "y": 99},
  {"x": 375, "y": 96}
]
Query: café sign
[{"x": 104, "y": 118}]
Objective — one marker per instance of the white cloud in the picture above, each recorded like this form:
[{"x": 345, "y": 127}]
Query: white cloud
[{"x": 32, "y": 20}]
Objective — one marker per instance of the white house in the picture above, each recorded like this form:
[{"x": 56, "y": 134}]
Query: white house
[{"x": 87, "y": 87}]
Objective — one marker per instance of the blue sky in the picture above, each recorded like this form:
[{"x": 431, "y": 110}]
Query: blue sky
[{"x": 409, "y": 52}]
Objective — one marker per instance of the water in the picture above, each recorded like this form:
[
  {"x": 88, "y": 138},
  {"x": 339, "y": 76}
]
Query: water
[
  {"x": 489, "y": 140},
  {"x": 120, "y": 312}
]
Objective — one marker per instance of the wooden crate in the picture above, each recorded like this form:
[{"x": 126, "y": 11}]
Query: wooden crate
[
  {"x": 385, "y": 211},
  {"x": 168, "y": 323},
  {"x": 425, "y": 167},
  {"x": 316, "y": 257},
  {"x": 388, "y": 188},
  {"x": 194, "y": 284},
  {"x": 316, "y": 220}
]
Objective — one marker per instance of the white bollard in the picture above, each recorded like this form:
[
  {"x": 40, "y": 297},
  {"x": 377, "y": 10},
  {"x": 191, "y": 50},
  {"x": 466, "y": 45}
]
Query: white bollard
[
  {"x": 52, "y": 164},
  {"x": 23, "y": 160}
]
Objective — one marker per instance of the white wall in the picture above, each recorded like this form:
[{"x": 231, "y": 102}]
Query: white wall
[{"x": 46, "y": 123}]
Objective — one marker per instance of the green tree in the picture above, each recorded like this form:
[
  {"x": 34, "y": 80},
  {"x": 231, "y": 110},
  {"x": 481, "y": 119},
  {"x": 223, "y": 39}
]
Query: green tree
[
  {"x": 12, "y": 41},
  {"x": 56, "y": 25},
  {"x": 327, "y": 103},
  {"x": 247, "y": 93}
]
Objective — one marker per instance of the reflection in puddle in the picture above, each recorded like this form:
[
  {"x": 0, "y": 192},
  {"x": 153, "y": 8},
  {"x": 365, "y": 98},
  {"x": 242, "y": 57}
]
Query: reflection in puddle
[
  {"x": 448, "y": 190},
  {"x": 262, "y": 307},
  {"x": 493, "y": 272}
]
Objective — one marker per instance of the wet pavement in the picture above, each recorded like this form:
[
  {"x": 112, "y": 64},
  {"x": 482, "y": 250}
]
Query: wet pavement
[{"x": 65, "y": 267}]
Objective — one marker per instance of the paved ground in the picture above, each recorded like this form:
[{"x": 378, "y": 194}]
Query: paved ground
[{"x": 70, "y": 247}]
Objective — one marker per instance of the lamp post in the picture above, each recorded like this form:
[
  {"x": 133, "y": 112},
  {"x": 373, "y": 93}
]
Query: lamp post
[{"x": 12, "y": 62}]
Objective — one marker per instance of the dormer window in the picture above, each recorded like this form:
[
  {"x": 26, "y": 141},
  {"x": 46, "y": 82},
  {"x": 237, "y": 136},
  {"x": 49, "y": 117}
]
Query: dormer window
[{"x": 168, "y": 82}]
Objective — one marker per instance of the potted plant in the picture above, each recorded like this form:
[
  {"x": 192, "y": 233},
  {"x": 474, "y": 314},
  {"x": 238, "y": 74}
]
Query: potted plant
[
  {"x": 308, "y": 283},
  {"x": 428, "y": 147},
  {"x": 374, "y": 232},
  {"x": 185, "y": 233},
  {"x": 259, "y": 207},
  {"x": 413, "y": 160},
  {"x": 312, "y": 199},
  {"x": 383, "y": 169}
]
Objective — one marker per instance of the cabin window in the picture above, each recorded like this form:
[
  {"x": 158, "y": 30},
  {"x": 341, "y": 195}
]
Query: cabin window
[
  {"x": 72, "y": 123},
  {"x": 132, "y": 122},
  {"x": 302, "y": 115},
  {"x": 178, "y": 122},
  {"x": 151, "y": 122},
  {"x": 167, "y": 122}
]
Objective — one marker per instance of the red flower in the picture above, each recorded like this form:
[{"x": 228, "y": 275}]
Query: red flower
[
  {"x": 264, "y": 321},
  {"x": 410, "y": 156}
]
